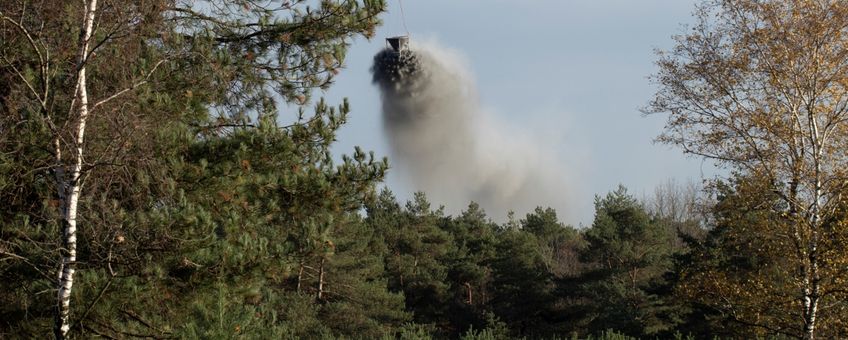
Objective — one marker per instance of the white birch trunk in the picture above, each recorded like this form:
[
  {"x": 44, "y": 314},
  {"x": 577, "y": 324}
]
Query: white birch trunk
[
  {"x": 320, "y": 294},
  {"x": 812, "y": 280},
  {"x": 70, "y": 187},
  {"x": 300, "y": 275},
  {"x": 811, "y": 301}
]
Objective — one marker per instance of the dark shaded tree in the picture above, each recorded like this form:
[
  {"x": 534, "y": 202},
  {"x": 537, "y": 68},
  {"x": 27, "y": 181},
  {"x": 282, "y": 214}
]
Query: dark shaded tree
[
  {"x": 417, "y": 254},
  {"x": 522, "y": 286},
  {"x": 627, "y": 254},
  {"x": 470, "y": 274}
]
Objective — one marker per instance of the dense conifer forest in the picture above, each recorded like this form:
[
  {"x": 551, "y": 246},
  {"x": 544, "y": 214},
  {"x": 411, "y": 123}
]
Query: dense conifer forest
[{"x": 148, "y": 188}]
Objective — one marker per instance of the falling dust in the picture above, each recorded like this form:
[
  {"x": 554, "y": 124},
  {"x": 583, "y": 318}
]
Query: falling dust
[{"x": 448, "y": 146}]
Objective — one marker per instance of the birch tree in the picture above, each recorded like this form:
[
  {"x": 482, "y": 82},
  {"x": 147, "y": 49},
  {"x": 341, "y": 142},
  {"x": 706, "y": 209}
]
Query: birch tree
[
  {"x": 88, "y": 91},
  {"x": 69, "y": 187},
  {"x": 52, "y": 87},
  {"x": 760, "y": 87}
]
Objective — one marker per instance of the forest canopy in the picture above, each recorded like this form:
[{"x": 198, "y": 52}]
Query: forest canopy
[{"x": 149, "y": 188}]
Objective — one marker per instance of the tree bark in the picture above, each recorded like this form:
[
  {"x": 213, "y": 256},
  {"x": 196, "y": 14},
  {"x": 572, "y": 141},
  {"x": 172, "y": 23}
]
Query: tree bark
[
  {"x": 70, "y": 187},
  {"x": 320, "y": 294},
  {"x": 300, "y": 275},
  {"x": 811, "y": 298}
]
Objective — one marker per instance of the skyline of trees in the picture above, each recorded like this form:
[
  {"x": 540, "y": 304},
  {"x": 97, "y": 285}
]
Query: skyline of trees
[{"x": 150, "y": 189}]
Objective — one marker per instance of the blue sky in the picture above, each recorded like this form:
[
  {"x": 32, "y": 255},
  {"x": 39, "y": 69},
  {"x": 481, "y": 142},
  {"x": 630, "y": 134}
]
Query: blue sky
[{"x": 574, "y": 71}]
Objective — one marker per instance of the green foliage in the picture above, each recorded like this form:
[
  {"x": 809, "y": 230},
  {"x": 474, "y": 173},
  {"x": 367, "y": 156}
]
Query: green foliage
[
  {"x": 412, "y": 331},
  {"x": 519, "y": 271},
  {"x": 203, "y": 216},
  {"x": 417, "y": 250},
  {"x": 494, "y": 330},
  {"x": 470, "y": 272},
  {"x": 628, "y": 255},
  {"x": 560, "y": 244},
  {"x": 743, "y": 275},
  {"x": 195, "y": 199},
  {"x": 610, "y": 334}
]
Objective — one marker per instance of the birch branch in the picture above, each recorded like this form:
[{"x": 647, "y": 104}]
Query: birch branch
[
  {"x": 28, "y": 36},
  {"x": 131, "y": 87},
  {"x": 25, "y": 260},
  {"x": 43, "y": 59}
]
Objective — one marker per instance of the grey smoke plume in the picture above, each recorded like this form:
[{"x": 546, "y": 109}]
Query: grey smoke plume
[{"x": 452, "y": 149}]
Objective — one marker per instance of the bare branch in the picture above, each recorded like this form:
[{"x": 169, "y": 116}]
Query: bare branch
[
  {"x": 20, "y": 75},
  {"x": 131, "y": 87},
  {"x": 25, "y": 260}
]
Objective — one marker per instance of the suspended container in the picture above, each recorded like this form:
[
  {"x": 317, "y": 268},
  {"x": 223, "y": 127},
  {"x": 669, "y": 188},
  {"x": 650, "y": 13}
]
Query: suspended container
[{"x": 399, "y": 43}]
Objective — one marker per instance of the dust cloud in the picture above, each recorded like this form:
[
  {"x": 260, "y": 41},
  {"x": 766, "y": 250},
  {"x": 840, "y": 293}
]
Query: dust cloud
[{"x": 445, "y": 144}]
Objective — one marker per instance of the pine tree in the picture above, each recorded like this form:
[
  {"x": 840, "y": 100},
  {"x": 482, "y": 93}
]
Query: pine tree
[
  {"x": 627, "y": 254},
  {"x": 470, "y": 274},
  {"x": 177, "y": 195},
  {"x": 522, "y": 286},
  {"x": 358, "y": 302},
  {"x": 559, "y": 243},
  {"x": 417, "y": 253}
]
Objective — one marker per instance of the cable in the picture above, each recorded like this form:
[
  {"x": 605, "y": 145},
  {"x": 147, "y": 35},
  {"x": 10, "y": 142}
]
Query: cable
[{"x": 403, "y": 17}]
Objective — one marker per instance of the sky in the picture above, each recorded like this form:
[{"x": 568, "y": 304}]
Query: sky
[{"x": 574, "y": 72}]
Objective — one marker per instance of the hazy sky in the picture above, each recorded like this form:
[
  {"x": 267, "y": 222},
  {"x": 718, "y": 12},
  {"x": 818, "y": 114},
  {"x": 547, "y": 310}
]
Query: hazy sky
[{"x": 572, "y": 71}]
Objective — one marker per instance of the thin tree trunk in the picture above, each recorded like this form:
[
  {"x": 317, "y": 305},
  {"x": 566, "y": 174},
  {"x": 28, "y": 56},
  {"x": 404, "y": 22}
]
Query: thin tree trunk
[
  {"x": 70, "y": 187},
  {"x": 812, "y": 279},
  {"x": 320, "y": 294},
  {"x": 811, "y": 298},
  {"x": 300, "y": 275}
]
